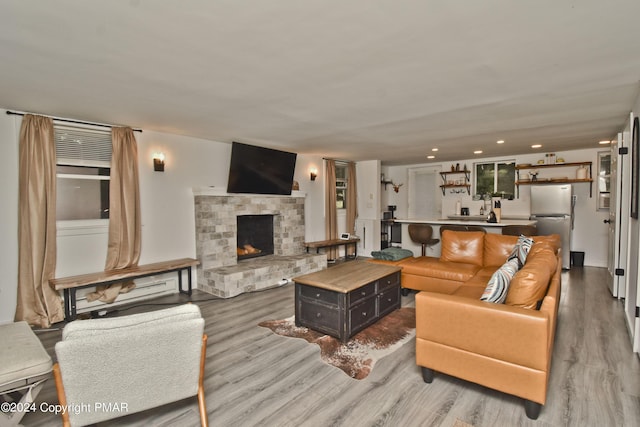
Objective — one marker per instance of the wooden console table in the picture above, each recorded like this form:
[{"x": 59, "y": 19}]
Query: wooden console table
[
  {"x": 332, "y": 243},
  {"x": 69, "y": 285},
  {"x": 342, "y": 300}
]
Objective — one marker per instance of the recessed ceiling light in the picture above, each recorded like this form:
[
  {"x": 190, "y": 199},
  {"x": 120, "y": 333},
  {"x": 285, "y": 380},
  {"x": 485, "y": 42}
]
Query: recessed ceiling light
[
  {"x": 604, "y": 142},
  {"x": 431, "y": 157},
  {"x": 501, "y": 141},
  {"x": 536, "y": 146},
  {"x": 434, "y": 149},
  {"x": 477, "y": 152}
]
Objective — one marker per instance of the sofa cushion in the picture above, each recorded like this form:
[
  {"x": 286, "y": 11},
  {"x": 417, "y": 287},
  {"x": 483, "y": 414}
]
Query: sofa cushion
[
  {"x": 497, "y": 248},
  {"x": 435, "y": 268},
  {"x": 496, "y": 290},
  {"x": 481, "y": 278},
  {"x": 552, "y": 240},
  {"x": 466, "y": 291},
  {"x": 463, "y": 246},
  {"x": 521, "y": 250},
  {"x": 529, "y": 285}
]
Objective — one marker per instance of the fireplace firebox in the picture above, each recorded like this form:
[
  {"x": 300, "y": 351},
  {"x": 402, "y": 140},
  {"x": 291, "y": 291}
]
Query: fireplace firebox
[{"x": 255, "y": 236}]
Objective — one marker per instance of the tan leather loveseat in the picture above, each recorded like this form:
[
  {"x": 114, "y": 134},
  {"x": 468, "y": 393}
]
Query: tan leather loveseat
[{"x": 507, "y": 347}]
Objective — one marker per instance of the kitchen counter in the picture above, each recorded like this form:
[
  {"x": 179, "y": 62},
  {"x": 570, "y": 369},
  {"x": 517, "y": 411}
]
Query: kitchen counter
[
  {"x": 484, "y": 217},
  {"x": 434, "y": 250},
  {"x": 483, "y": 223}
]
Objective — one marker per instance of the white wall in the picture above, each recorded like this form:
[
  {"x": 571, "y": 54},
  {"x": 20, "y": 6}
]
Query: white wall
[
  {"x": 168, "y": 223},
  {"x": 8, "y": 216},
  {"x": 314, "y": 201},
  {"x": 368, "y": 222},
  {"x": 589, "y": 222}
]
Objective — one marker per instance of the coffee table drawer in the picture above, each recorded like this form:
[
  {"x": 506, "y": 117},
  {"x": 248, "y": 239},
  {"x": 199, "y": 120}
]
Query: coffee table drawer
[
  {"x": 320, "y": 317},
  {"x": 362, "y": 293},
  {"x": 362, "y": 314},
  {"x": 387, "y": 281},
  {"x": 389, "y": 299},
  {"x": 319, "y": 294}
]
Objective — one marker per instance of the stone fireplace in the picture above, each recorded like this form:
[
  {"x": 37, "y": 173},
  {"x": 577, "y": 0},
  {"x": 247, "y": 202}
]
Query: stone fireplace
[{"x": 226, "y": 273}]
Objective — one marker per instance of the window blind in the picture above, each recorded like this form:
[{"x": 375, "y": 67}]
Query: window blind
[{"x": 82, "y": 147}]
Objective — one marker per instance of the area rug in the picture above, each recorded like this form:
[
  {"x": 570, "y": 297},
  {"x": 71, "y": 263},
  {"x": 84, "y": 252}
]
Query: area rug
[{"x": 358, "y": 356}]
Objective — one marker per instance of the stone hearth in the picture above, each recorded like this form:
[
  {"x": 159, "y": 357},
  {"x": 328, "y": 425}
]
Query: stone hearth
[{"x": 220, "y": 273}]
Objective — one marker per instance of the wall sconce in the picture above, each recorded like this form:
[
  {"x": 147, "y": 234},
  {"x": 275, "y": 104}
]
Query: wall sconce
[
  {"x": 314, "y": 173},
  {"x": 158, "y": 162}
]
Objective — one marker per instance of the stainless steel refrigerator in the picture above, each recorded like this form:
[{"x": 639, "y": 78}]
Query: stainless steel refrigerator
[{"x": 552, "y": 208}]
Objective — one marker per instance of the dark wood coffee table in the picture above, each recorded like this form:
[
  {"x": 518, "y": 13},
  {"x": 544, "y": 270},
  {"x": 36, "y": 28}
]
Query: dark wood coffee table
[{"x": 342, "y": 300}]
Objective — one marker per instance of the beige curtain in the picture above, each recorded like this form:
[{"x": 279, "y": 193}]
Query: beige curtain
[
  {"x": 352, "y": 203},
  {"x": 124, "y": 213},
  {"x": 330, "y": 207},
  {"x": 38, "y": 303}
]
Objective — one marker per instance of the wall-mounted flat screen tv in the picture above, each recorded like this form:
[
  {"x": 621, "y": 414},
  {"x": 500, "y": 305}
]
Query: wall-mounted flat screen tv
[{"x": 260, "y": 170}]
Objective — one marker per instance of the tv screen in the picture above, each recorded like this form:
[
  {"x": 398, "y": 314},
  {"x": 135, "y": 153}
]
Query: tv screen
[{"x": 260, "y": 170}]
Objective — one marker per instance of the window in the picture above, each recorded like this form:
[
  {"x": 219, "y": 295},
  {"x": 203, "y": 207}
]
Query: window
[
  {"x": 83, "y": 158},
  {"x": 497, "y": 178},
  {"x": 341, "y": 185}
]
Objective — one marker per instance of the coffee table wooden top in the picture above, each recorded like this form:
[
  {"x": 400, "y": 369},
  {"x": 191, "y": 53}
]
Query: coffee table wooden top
[{"x": 346, "y": 277}]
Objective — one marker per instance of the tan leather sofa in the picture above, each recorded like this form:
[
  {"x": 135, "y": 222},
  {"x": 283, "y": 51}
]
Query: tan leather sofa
[{"x": 507, "y": 347}]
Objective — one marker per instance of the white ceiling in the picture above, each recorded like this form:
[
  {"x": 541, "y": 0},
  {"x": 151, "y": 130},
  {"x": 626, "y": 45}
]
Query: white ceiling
[{"x": 356, "y": 79}]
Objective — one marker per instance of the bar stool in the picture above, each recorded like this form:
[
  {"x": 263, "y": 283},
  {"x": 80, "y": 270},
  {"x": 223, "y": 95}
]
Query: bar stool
[{"x": 422, "y": 233}]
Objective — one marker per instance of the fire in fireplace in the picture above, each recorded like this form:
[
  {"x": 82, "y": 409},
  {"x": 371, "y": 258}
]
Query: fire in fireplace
[{"x": 255, "y": 236}]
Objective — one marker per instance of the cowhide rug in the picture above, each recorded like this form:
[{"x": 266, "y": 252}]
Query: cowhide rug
[{"x": 357, "y": 357}]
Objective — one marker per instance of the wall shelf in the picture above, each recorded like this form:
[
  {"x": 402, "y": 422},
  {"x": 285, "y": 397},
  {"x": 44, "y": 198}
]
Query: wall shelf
[
  {"x": 386, "y": 183},
  {"x": 446, "y": 182},
  {"x": 543, "y": 181}
]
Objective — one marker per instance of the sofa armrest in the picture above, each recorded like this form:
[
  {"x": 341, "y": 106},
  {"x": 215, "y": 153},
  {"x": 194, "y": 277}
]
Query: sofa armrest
[{"x": 511, "y": 334}]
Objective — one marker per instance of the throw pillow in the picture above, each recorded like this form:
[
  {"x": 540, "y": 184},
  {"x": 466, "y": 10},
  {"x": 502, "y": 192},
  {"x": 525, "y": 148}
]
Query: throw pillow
[
  {"x": 529, "y": 285},
  {"x": 521, "y": 250},
  {"x": 498, "y": 285}
]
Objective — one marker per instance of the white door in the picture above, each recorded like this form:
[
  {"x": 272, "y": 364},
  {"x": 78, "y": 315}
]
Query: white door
[
  {"x": 617, "y": 219},
  {"x": 425, "y": 201},
  {"x": 425, "y": 197},
  {"x": 633, "y": 290},
  {"x": 633, "y": 258}
]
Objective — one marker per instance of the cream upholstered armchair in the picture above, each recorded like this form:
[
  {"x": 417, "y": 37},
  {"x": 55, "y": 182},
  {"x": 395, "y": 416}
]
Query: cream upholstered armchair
[{"x": 108, "y": 368}]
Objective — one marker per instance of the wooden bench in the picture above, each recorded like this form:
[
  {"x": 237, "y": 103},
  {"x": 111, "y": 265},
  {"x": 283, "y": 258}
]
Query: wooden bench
[
  {"x": 332, "y": 243},
  {"x": 70, "y": 284}
]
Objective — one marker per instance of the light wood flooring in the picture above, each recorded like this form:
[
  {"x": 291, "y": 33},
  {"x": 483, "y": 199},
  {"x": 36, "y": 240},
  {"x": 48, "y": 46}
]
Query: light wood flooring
[{"x": 257, "y": 378}]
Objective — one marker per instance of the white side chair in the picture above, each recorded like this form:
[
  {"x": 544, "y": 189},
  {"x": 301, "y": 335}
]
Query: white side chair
[
  {"x": 108, "y": 368},
  {"x": 24, "y": 367}
]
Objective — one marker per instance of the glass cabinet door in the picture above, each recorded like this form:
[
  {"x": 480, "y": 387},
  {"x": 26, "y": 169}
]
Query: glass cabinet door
[{"x": 604, "y": 179}]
